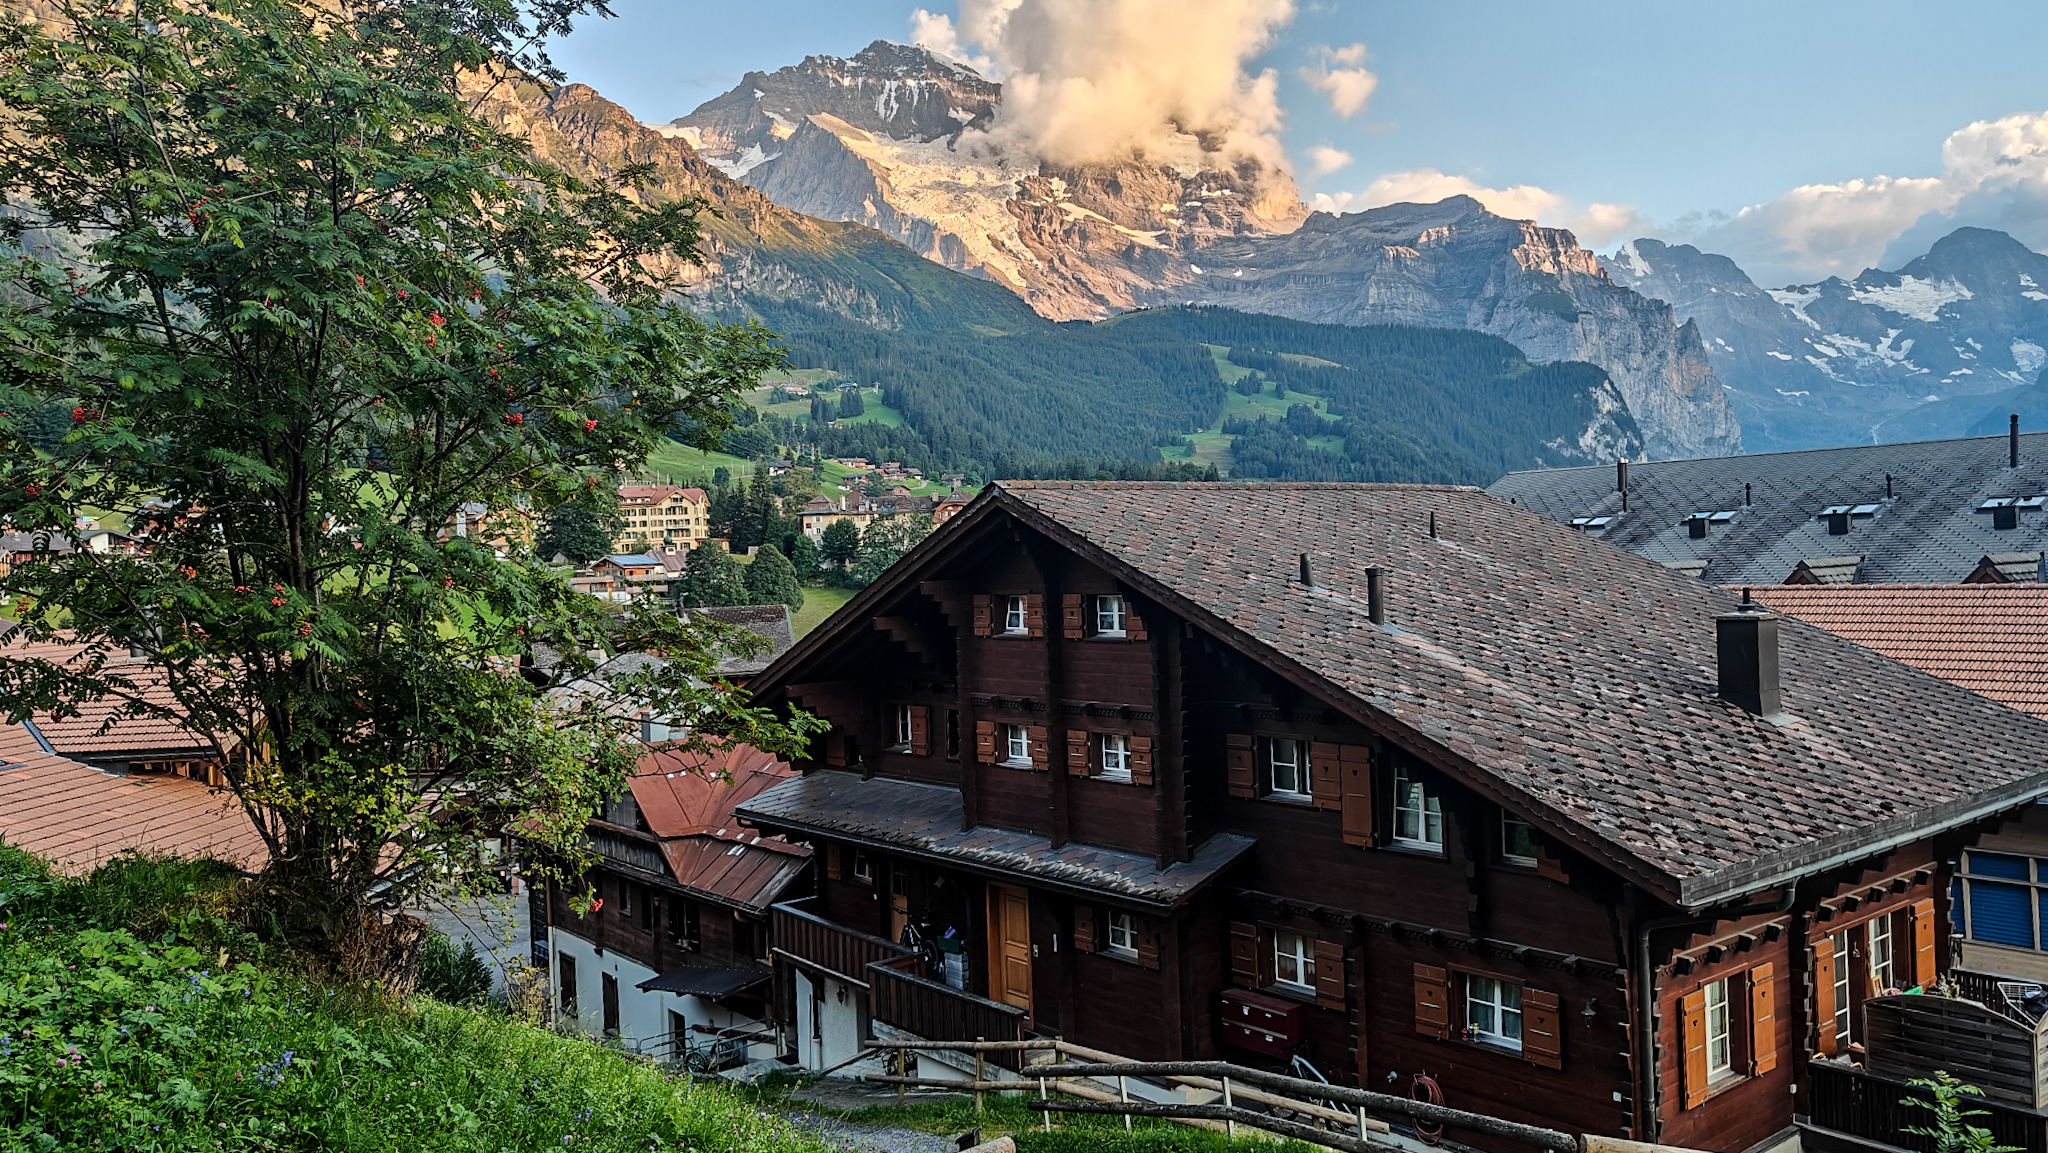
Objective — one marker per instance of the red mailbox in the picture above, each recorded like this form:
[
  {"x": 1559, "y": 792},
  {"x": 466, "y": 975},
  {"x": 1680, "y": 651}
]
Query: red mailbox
[{"x": 1260, "y": 1022}]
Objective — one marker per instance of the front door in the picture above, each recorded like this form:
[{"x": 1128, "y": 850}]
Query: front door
[{"x": 1009, "y": 945}]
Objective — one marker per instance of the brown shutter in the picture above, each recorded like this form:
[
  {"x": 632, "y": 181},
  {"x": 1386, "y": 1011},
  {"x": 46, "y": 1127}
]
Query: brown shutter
[
  {"x": 1923, "y": 943},
  {"x": 920, "y": 730},
  {"x": 1240, "y": 757},
  {"x": 1824, "y": 996},
  {"x": 1134, "y": 626},
  {"x": 1692, "y": 1033},
  {"x": 1077, "y": 753},
  {"x": 1070, "y": 617},
  {"x": 1244, "y": 955},
  {"x": 1542, "y": 1040},
  {"x": 985, "y": 742},
  {"x": 1041, "y": 748},
  {"x": 835, "y": 748},
  {"x": 1326, "y": 782},
  {"x": 1329, "y": 974},
  {"x": 832, "y": 861},
  {"x": 1084, "y": 928},
  {"x": 1432, "y": 1001},
  {"x": 1141, "y": 760},
  {"x": 984, "y": 614},
  {"x": 1550, "y": 864},
  {"x": 1034, "y": 613},
  {"x": 1355, "y": 761},
  {"x": 1763, "y": 1021},
  {"x": 1148, "y": 942}
]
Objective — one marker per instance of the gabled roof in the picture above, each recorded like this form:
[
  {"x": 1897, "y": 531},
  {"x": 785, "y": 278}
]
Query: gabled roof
[
  {"x": 97, "y": 733},
  {"x": 1568, "y": 680},
  {"x": 1930, "y": 529},
  {"x": 2006, "y": 568},
  {"x": 688, "y": 799},
  {"x": 770, "y": 621},
  {"x": 1990, "y": 639},
  {"x": 1825, "y": 570}
]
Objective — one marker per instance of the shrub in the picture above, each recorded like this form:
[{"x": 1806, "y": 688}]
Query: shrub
[{"x": 459, "y": 977}]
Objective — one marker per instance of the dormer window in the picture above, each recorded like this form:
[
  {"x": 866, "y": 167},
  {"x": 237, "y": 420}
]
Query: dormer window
[
  {"x": 1013, "y": 615},
  {"x": 1110, "y": 615}
]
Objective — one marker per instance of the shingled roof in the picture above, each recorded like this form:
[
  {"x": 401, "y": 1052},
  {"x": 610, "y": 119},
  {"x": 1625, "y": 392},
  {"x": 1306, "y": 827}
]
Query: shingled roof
[
  {"x": 1566, "y": 679},
  {"x": 1914, "y": 512}
]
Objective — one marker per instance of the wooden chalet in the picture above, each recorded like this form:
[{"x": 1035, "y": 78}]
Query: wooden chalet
[{"x": 1405, "y": 783}]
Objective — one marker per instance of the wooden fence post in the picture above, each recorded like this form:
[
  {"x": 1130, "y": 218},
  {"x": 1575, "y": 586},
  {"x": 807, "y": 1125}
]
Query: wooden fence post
[
  {"x": 980, "y": 1072},
  {"x": 1229, "y": 1124}
]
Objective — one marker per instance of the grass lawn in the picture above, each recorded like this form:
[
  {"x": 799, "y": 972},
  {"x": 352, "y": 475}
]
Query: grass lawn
[
  {"x": 681, "y": 464},
  {"x": 1211, "y": 446},
  {"x": 818, "y": 604}
]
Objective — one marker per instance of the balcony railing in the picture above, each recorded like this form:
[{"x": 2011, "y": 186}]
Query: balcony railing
[
  {"x": 904, "y": 997},
  {"x": 843, "y": 952},
  {"x": 1850, "y": 1100}
]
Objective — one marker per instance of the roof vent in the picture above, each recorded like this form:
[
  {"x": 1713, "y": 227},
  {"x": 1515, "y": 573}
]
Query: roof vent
[
  {"x": 1746, "y": 649},
  {"x": 1376, "y": 595},
  {"x": 2012, "y": 442}
]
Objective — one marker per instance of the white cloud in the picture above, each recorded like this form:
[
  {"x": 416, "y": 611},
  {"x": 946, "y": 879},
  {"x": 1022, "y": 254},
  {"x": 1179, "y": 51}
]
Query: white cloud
[
  {"x": 934, "y": 30},
  {"x": 1593, "y": 225},
  {"x": 1338, "y": 76},
  {"x": 1324, "y": 159}
]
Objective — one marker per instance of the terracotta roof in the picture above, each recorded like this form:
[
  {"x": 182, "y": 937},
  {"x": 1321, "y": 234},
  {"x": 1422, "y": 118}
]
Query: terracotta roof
[
  {"x": 77, "y": 816},
  {"x": 124, "y": 738},
  {"x": 1990, "y": 639},
  {"x": 1567, "y": 679},
  {"x": 688, "y": 800}
]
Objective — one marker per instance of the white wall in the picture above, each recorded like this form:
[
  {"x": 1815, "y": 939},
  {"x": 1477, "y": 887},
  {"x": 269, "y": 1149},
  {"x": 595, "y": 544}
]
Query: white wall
[
  {"x": 827, "y": 1021},
  {"x": 643, "y": 1016}
]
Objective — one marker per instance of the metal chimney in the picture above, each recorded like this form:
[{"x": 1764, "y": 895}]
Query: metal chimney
[
  {"x": 1746, "y": 647},
  {"x": 2012, "y": 442},
  {"x": 1376, "y": 595}
]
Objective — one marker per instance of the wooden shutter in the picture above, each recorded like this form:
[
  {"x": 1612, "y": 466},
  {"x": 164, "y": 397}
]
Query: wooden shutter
[
  {"x": 1148, "y": 942},
  {"x": 1070, "y": 617},
  {"x": 920, "y": 730},
  {"x": 1922, "y": 920},
  {"x": 1041, "y": 748},
  {"x": 1355, "y": 762},
  {"x": 1239, "y": 752},
  {"x": 1141, "y": 760},
  {"x": 1244, "y": 955},
  {"x": 1432, "y": 1000},
  {"x": 985, "y": 742},
  {"x": 832, "y": 860},
  {"x": 1329, "y": 974},
  {"x": 984, "y": 614},
  {"x": 1084, "y": 928},
  {"x": 1326, "y": 783},
  {"x": 1549, "y": 864},
  {"x": 835, "y": 748},
  {"x": 1034, "y": 613},
  {"x": 1134, "y": 626},
  {"x": 1542, "y": 1039},
  {"x": 1824, "y": 996},
  {"x": 1763, "y": 1021},
  {"x": 1692, "y": 1033},
  {"x": 1077, "y": 753}
]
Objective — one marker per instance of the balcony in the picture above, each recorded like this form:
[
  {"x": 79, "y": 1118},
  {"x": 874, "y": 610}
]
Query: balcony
[{"x": 1852, "y": 1109}]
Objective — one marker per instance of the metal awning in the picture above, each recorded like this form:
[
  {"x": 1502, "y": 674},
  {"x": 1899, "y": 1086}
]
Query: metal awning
[{"x": 706, "y": 980}]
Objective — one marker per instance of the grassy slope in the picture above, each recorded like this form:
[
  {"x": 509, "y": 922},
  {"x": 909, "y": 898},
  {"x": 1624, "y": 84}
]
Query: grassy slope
[
  {"x": 1211, "y": 446},
  {"x": 818, "y": 604}
]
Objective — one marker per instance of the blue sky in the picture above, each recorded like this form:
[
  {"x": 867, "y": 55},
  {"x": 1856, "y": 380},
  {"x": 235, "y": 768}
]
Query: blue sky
[{"x": 1618, "y": 119}]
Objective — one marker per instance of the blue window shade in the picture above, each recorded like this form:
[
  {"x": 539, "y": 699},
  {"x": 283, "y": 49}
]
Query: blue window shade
[
  {"x": 2001, "y": 914},
  {"x": 1996, "y": 865},
  {"x": 1958, "y": 910}
]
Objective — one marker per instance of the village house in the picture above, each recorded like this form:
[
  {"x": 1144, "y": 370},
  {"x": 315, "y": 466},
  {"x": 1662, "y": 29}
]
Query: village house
[
  {"x": 819, "y": 514},
  {"x": 1414, "y": 786},
  {"x": 663, "y": 515}
]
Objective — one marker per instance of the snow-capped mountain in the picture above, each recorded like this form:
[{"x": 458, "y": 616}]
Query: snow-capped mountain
[{"x": 1924, "y": 351}]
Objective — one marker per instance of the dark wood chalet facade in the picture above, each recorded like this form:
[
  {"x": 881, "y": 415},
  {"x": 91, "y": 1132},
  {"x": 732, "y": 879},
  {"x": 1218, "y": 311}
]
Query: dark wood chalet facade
[{"x": 1404, "y": 782}]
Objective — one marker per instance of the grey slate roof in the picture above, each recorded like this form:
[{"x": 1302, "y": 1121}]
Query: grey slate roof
[
  {"x": 1927, "y": 532},
  {"x": 770, "y": 621},
  {"x": 1568, "y": 680},
  {"x": 925, "y": 819}
]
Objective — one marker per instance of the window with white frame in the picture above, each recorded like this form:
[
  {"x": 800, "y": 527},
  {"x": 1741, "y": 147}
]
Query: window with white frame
[
  {"x": 1017, "y": 744},
  {"x": 1109, "y": 615},
  {"x": 1294, "y": 960},
  {"x": 1720, "y": 1033},
  {"x": 1287, "y": 768},
  {"x": 903, "y": 737},
  {"x": 1013, "y": 615},
  {"x": 1116, "y": 757},
  {"x": 863, "y": 868},
  {"x": 1841, "y": 940},
  {"x": 1882, "y": 972},
  {"x": 1123, "y": 934},
  {"x": 1493, "y": 1011},
  {"x": 1517, "y": 840},
  {"x": 1418, "y": 815}
]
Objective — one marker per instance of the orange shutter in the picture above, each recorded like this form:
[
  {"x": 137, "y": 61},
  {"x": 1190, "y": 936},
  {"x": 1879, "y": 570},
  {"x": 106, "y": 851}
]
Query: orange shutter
[
  {"x": 1070, "y": 617},
  {"x": 1244, "y": 955},
  {"x": 1141, "y": 760},
  {"x": 1148, "y": 942},
  {"x": 1041, "y": 749},
  {"x": 1432, "y": 1001},
  {"x": 1329, "y": 974},
  {"x": 1034, "y": 613},
  {"x": 984, "y": 615},
  {"x": 1084, "y": 928},
  {"x": 1240, "y": 756},
  {"x": 1077, "y": 753},
  {"x": 1922, "y": 919},
  {"x": 1763, "y": 1021},
  {"x": 1355, "y": 763},
  {"x": 835, "y": 748},
  {"x": 1542, "y": 1040},
  {"x": 920, "y": 730},
  {"x": 1550, "y": 864},
  {"x": 1824, "y": 996},
  {"x": 985, "y": 742},
  {"x": 1326, "y": 782},
  {"x": 832, "y": 861},
  {"x": 1692, "y": 1033},
  {"x": 1134, "y": 626}
]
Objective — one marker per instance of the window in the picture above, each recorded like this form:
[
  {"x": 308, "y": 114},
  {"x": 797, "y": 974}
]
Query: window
[
  {"x": 1517, "y": 840},
  {"x": 1116, "y": 757},
  {"x": 1123, "y": 934},
  {"x": 1013, "y": 615},
  {"x": 1109, "y": 616},
  {"x": 1881, "y": 970},
  {"x": 684, "y": 927},
  {"x": 1493, "y": 1011},
  {"x": 863, "y": 868},
  {"x": 1720, "y": 1037},
  {"x": 625, "y": 898},
  {"x": 1287, "y": 768},
  {"x": 1841, "y": 940},
  {"x": 567, "y": 992},
  {"x": 903, "y": 726},
  {"x": 1017, "y": 744},
  {"x": 1418, "y": 816},
  {"x": 2002, "y": 895},
  {"x": 1294, "y": 960}
]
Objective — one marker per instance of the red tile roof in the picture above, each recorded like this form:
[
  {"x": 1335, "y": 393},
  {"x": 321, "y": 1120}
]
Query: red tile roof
[
  {"x": 125, "y": 737},
  {"x": 1989, "y": 638},
  {"x": 688, "y": 799}
]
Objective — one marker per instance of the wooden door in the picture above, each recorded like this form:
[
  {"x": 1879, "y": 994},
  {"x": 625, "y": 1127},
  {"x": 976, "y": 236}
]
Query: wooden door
[
  {"x": 611, "y": 1005},
  {"x": 1009, "y": 946},
  {"x": 899, "y": 901}
]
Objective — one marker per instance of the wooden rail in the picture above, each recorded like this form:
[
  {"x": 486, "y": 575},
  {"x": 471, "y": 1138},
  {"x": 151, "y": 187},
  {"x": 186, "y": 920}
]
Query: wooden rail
[
  {"x": 814, "y": 942},
  {"x": 902, "y": 997},
  {"x": 1848, "y": 1100}
]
